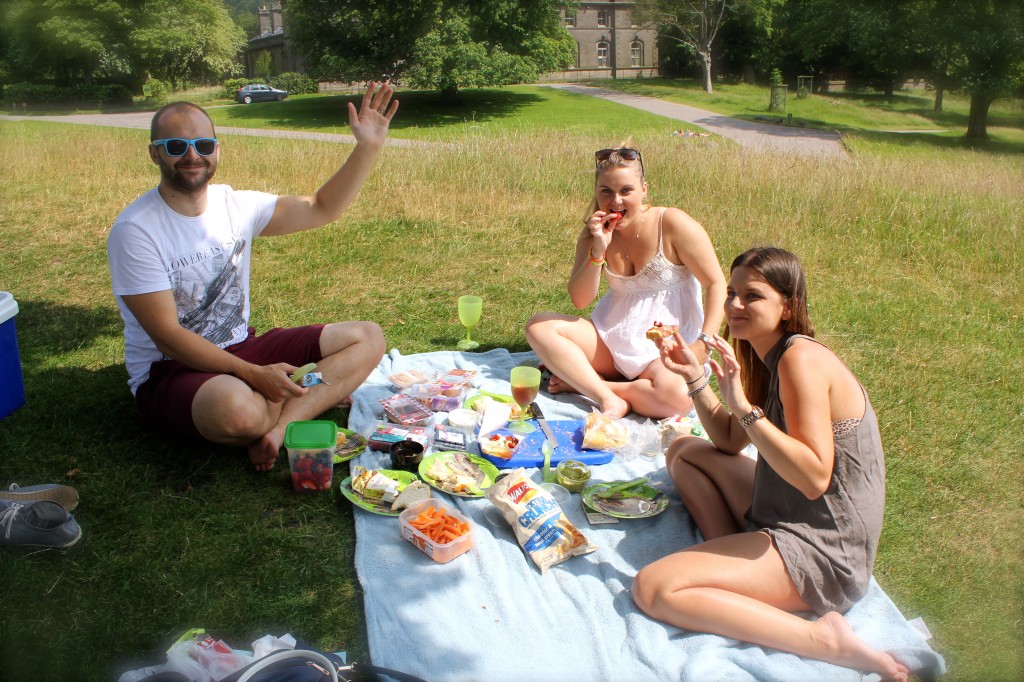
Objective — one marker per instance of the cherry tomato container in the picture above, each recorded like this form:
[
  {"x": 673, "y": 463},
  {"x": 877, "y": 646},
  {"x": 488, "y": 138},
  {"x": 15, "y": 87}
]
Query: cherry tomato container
[{"x": 310, "y": 446}]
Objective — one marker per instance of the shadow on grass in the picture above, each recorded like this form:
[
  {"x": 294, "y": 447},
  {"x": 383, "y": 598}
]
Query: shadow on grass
[
  {"x": 424, "y": 109},
  {"x": 81, "y": 417},
  {"x": 994, "y": 145}
]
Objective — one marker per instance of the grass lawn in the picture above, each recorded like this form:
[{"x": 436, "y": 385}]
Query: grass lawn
[
  {"x": 425, "y": 116},
  {"x": 869, "y": 122},
  {"x": 913, "y": 259}
]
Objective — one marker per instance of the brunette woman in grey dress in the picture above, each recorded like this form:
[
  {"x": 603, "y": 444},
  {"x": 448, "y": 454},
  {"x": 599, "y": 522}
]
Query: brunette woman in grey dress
[{"x": 796, "y": 531}]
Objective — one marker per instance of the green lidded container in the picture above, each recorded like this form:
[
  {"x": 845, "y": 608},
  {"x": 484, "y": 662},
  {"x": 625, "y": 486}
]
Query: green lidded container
[
  {"x": 310, "y": 446},
  {"x": 310, "y": 435}
]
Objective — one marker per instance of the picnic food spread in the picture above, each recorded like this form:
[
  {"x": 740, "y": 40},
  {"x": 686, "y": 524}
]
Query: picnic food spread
[{"x": 443, "y": 421}]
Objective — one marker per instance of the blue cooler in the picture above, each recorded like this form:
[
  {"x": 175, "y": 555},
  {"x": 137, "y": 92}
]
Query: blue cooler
[{"x": 12, "y": 388}]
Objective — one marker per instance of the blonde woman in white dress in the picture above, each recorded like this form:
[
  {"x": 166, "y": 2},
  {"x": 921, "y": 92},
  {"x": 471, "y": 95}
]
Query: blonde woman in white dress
[{"x": 656, "y": 261}]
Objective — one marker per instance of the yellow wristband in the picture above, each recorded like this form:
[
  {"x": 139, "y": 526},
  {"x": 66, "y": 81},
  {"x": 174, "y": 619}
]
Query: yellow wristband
[{"x": 596, "y": 261}]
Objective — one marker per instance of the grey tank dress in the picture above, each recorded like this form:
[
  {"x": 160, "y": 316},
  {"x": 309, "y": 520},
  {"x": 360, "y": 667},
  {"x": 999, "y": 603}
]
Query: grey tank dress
[{"x": 828, "y": 545}]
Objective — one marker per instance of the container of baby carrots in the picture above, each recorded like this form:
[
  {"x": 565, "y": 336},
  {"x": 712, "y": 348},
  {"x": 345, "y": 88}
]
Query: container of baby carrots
[{"x": 437, "y": 529}]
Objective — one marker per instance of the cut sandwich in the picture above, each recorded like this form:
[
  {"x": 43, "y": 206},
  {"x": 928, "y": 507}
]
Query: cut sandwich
[
  {"x": 415, "y": 492},
  {"x": 660, "y": 331}
]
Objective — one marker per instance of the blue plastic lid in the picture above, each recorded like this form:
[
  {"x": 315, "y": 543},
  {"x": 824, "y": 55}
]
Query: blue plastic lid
[{"x": 311, "y": 435}]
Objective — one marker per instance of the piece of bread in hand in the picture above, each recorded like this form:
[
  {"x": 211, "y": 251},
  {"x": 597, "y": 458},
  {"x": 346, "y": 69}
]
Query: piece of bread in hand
[{"x": 660, "y": 331}]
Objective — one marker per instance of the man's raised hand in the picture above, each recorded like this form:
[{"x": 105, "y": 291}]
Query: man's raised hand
[{"x": 370, "y": 122}]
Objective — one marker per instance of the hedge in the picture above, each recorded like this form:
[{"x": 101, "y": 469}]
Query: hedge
[{"x": 41, "y": 93}]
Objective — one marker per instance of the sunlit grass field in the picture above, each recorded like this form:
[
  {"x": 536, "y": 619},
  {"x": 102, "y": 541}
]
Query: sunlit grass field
[{"x": 914, "y": 272}]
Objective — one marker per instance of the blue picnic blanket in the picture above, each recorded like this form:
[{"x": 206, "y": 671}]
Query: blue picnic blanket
[{"x": 490, "y": 614}]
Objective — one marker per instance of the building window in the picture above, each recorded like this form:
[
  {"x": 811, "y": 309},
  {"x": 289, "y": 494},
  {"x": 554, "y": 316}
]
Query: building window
[
  {"x": 570, "y": 19},
  {"x": 602, "y": 54},
  {"x": 636, "y": 53},
  {"x": 602, "y": 18}
]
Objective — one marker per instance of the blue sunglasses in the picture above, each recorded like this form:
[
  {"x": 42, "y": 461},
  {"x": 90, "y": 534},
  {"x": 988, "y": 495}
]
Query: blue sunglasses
[{"x": 177, "y": 146}]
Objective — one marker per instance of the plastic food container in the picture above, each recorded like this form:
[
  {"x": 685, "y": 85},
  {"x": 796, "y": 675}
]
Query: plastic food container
[
  {"x": 310, "y": 446},
  {"x": 572, "y": 475},
  {"x": 406, "y": 455},
  {"x": 442, "y": 553}
]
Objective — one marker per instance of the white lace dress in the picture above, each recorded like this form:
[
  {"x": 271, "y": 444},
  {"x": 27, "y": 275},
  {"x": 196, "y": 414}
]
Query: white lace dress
[{"x": 660, "y": 292}]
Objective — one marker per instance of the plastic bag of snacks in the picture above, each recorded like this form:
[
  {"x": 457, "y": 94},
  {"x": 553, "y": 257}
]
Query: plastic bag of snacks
[
  {"x": 543, "y": 531},
  {"x": 604, "y": 433},
  {"x": 671, "y": 428}
]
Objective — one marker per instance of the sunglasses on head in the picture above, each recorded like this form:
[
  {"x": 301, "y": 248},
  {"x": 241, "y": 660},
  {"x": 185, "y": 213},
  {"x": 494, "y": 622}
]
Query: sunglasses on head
[
  {"x": 625, "y": 153},
  {"x": 178, "y": 146}
]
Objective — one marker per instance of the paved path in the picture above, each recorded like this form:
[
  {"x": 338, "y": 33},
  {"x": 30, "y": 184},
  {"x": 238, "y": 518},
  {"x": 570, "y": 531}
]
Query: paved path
[
  {"x": 141, "y": 119},
  {"x": 759, "y": 136}
]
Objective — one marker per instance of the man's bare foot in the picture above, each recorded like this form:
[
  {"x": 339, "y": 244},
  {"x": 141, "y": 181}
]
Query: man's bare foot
[
  {"x": 557, "y": 385},
  {"x": 844, "y": 647},
  {"x": 615, "y": 407},
  {"x": 263, "y": 452}
]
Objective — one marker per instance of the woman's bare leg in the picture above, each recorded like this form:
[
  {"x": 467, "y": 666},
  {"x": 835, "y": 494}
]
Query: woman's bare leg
[
  {"x": 656, "y": 393},
  {"x": 737, "y": 586},
  {"x": 716, "y": 487},
  {"x": 571, "y": 348}
]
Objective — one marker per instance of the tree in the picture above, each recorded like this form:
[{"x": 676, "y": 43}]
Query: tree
[
  {"x": 67, "y": 41},
  {"x": 264, "y": 65},
  {"x": 185, "y": 40},
  {"x": 871, "y": 42},
  {"x": 989, "y": 34},
  {"x": 442, "y": 44},
  {"x": 693, "y": 23}
]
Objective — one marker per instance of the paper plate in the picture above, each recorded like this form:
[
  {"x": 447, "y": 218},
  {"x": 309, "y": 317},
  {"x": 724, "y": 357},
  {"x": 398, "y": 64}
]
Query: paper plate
[
  {"x": 355, "y": 445},
  {"x": 638, "y": 502},
  {"x": 376, "y": 506},
  {"x": 490, "y": 472}
]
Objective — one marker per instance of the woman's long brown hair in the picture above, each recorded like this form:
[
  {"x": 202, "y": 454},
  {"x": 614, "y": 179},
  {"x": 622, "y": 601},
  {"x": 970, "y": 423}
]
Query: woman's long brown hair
[{"x": 783, "y": 272}]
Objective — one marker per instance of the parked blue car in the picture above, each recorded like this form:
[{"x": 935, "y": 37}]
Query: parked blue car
[{"x": 258, "y": 92}]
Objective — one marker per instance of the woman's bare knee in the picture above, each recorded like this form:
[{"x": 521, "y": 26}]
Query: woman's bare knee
[{"x": 688, "y": 449}]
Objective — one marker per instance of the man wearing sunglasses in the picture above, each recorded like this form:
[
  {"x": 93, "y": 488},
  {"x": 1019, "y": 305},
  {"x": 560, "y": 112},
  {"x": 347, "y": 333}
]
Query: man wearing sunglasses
[{"x": 179, "y": 262}]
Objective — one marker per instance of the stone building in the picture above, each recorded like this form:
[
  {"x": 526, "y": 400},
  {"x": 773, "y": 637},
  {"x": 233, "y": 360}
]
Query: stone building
[
  {"x": 284, "y": 57},
  {"x": 610, "y": 44}
]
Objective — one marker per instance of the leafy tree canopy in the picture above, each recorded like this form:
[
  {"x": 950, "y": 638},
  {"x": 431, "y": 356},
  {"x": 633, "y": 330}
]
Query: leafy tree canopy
[{"x": 443, "y": 44}]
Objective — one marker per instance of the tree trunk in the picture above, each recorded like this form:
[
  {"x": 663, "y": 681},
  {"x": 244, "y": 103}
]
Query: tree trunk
[
  {"x": 450, "y": 94},
  {"x": 977, "y": 120},
  {"x": 749, "y": 75},
  {"x": 705, "y": 55},
  {"x": 939, "y": 92}
]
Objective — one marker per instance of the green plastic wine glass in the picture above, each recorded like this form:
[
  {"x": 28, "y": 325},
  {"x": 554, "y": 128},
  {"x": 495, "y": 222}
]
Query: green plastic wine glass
[
  {"x": 470, "y": 308},
  {"x": 525, "y": 387}
]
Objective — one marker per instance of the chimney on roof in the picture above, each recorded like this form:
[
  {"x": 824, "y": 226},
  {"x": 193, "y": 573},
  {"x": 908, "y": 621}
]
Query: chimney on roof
[
  {"x": 265, "y": 20},
  {"x": 275, "y": 16}
]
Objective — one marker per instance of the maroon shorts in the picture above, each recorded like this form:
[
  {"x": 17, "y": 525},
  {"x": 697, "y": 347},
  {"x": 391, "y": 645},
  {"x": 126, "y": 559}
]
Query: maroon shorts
[{"x": 164, "y": 400}]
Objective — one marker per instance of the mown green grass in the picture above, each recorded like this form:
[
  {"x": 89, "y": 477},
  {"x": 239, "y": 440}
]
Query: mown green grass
[
  {"x": 914, "y": 273},
  {"x": 425, "y": 115},
  {"x": 870, "y": 122}
]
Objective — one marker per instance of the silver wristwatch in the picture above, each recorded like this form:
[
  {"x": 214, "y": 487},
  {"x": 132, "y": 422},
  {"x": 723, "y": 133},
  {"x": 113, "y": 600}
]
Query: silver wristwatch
[
  {"x": 706, "y": 338},
  {"x": 755, "y": 414}
]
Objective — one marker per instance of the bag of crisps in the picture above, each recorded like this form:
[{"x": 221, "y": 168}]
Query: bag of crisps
[{"x": 543, "y": 531}]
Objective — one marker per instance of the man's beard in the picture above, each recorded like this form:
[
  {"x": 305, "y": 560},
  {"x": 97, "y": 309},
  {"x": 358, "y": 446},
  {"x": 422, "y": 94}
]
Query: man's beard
[{"x": 188, "y": 184}]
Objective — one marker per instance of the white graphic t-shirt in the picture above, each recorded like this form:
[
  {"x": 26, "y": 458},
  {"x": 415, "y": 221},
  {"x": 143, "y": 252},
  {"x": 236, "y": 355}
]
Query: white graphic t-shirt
[{"x": 203, "y": 261}]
